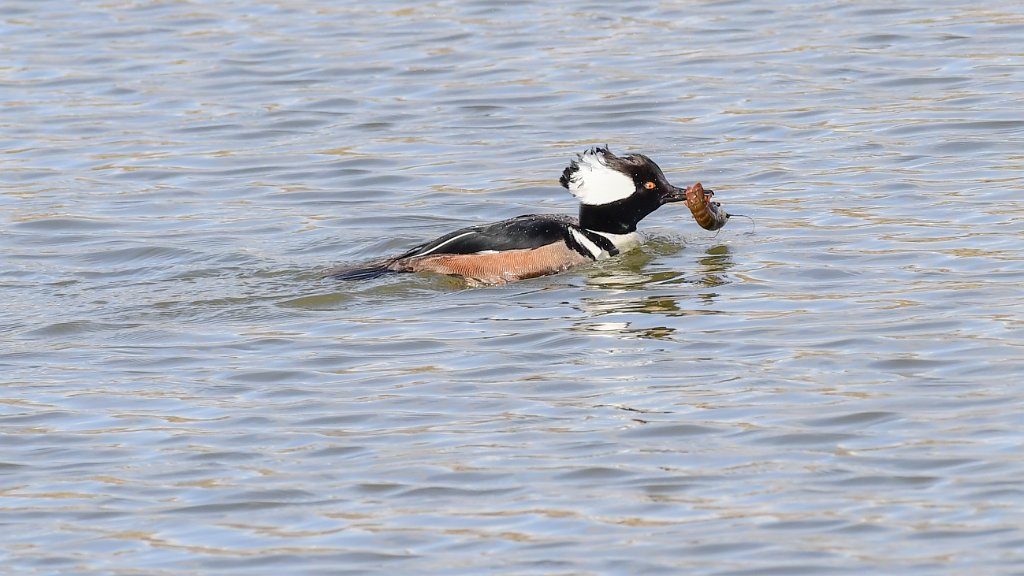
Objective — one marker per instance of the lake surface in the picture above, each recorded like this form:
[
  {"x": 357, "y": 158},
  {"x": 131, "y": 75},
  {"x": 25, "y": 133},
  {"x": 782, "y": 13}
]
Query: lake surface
[{"x": 832, "y": 387}]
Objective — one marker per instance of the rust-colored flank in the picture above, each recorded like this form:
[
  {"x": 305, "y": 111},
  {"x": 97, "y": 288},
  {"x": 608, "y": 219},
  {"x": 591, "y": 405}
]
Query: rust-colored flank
[{"x": 499, "y": 267}]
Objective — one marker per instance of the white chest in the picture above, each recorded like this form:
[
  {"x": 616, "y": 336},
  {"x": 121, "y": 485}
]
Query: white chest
[{"x": 623, "y": 242}]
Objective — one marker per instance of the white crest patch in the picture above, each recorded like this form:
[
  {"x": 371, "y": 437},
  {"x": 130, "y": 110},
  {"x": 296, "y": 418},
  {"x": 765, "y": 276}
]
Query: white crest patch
[{"x": 595, "y": 182}]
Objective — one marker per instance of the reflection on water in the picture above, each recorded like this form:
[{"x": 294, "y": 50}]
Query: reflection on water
[
  {"x": 713, "y": 269},
  {"x": 830, "y": 389},
  {"x": 627, "y": 285},
  {"x": 714, "y": 266}
]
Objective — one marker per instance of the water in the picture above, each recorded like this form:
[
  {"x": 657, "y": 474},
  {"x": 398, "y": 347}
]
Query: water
[{"x": 832, "y": 388}]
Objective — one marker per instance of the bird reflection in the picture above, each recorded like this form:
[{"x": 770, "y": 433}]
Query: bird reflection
[{"x": 623, "y": 293}]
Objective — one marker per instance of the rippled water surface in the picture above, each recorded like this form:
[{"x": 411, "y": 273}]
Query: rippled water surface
[{"x": 831, "y": 388}]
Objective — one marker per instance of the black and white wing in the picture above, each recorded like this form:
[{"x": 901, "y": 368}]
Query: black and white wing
[{"x": 519, "y": 233}]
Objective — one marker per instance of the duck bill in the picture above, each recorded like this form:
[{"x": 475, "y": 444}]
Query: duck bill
[{"x": 675, "y": 195}]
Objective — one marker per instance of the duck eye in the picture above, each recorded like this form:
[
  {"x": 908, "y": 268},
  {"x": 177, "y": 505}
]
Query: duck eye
[{"x": 650, "y": 185}]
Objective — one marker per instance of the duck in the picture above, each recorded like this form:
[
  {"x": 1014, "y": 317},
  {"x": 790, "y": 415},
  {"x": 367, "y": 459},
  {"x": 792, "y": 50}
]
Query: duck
[{"x": 614, "y": 192}]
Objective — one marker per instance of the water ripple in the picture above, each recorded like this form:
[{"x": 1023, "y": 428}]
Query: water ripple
[{"x": 828, "y": 388}]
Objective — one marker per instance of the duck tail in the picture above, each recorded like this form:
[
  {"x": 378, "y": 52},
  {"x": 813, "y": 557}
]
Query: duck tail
[{"x": 364, "y": 271}]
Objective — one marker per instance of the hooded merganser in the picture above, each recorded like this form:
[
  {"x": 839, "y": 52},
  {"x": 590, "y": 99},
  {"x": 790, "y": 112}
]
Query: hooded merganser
[{"x": 615, "y": 193}]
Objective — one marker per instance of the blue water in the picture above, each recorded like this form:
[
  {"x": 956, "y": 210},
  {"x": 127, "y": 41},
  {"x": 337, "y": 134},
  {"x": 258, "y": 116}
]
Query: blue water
[{"x": 831, "y": 387}]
